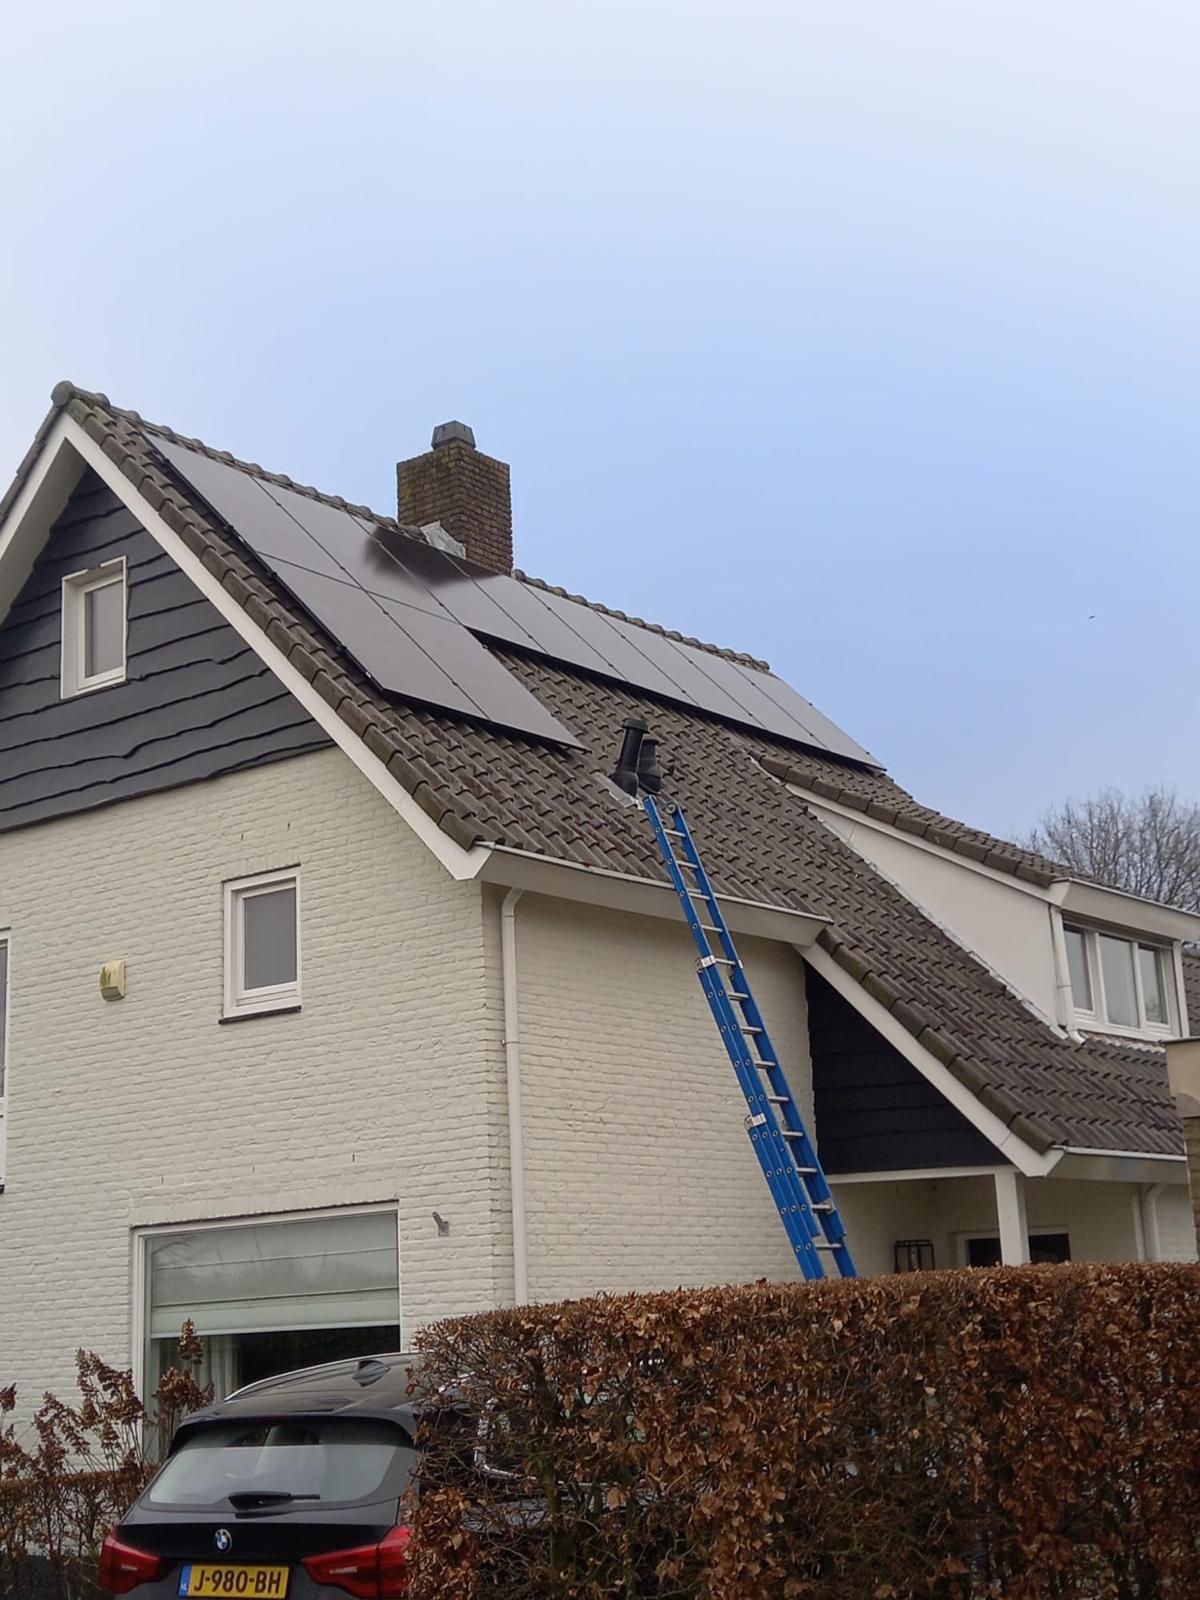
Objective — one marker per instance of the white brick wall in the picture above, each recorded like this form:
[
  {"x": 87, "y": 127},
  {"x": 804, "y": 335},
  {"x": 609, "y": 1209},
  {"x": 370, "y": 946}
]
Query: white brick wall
[
  {"x": 146, "y": 1110},
  {"x": 639, "y": 1171},
  {"x": 389, "y": 1085}
]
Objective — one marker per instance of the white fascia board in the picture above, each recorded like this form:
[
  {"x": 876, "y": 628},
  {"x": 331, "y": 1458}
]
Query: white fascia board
[
  {"x": 621, "y": 891},
  {"x": 1028, "y": 1161},
  {"x": 1096, "y": 903},
  {"x": 1121, "y": 1166},
  {"x": 68, "y": 449},
  {"x": 43, "y": 495}
]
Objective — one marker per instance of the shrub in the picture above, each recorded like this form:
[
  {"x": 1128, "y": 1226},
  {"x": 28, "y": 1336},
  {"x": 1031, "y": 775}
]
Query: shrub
[
  {"x": 1029, "y": 1433},
  {"x": 82, "y": 1467}
]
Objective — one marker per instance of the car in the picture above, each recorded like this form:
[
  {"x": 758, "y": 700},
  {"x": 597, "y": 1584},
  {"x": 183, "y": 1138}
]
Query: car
[{"x": 290, "y": 1489}]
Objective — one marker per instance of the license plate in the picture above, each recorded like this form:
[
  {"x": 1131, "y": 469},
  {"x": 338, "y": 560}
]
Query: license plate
[{"x": 264, "y": 1583}]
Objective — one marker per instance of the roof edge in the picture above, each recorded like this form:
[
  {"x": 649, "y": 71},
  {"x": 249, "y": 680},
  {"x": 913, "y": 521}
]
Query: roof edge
[
  {"x": 64, "y": 392},
  {"x": 973, "y": 844}
]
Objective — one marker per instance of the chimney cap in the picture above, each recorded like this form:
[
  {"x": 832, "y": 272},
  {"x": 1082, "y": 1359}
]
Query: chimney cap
[{"x": 453, "y": 433}]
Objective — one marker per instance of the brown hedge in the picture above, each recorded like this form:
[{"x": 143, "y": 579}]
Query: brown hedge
[{"x": 1027, "y": 1432}]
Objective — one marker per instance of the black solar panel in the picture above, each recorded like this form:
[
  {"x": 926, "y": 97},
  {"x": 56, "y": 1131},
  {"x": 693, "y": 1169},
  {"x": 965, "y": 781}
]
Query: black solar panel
[{"x": 409, "y": 615}]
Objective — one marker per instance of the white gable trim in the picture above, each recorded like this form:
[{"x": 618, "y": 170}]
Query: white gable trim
[
  {"x": 42, "y": 497},
  {"x": 1023, "y": 1156},
  {"x": 67, "y": 449}
]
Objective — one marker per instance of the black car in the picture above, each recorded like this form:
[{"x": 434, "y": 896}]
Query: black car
[{"x": 289, "y": 1490}]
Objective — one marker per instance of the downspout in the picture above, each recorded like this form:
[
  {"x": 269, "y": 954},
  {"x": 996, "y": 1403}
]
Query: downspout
[
  {"x": 1148, "y": 1198},
  {"x": 1064, "y": 1000},
  {"x": 512, "y": 1064}
]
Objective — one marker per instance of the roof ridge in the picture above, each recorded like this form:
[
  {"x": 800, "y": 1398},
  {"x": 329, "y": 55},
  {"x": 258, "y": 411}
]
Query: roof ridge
[
  {"x": 739, "y": 656},
  {"x": 62, "y": 392}
]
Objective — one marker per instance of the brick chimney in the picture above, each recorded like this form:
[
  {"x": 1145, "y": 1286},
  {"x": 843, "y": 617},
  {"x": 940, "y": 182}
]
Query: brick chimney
[{"x": 465, "y": 492}]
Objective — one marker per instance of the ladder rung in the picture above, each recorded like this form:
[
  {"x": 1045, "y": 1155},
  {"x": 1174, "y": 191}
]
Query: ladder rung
[
  {"x": 822, "y": 1205},
  {"x": 794, "y": 1133},
  {"x": 751, "y": 1027},
  {"x": 734, "y": 996},
  {"x": 674, "y": 833},
  {"x": 828, "y": 1244},
  {"x": 778, "y": 1099}
]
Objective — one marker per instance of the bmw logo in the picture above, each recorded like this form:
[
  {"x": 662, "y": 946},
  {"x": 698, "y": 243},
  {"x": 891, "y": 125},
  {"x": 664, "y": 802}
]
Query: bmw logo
[{"x": 223, "y": 1540}]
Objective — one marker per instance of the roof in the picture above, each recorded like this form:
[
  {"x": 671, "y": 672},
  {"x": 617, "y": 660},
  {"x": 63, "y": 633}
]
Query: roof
[{"x": 760, "y": 840}]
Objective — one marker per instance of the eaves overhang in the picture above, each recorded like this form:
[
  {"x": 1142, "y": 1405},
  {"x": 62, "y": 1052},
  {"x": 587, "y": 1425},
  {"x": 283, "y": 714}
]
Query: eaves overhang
[
  {"x": 1096, "y": 902},
  {"x": 618, "y": 891},
  {"x": 1121, "y": 1166}
]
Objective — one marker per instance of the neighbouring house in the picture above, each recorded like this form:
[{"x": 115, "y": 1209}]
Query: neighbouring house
[{"x": 343, "y": 990}]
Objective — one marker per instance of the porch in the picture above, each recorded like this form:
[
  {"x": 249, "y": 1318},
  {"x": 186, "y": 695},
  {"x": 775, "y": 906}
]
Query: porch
[{"x": 904, "y": 1221}]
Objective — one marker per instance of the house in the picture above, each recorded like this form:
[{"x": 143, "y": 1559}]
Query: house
[{"x": 345, "y": 991}]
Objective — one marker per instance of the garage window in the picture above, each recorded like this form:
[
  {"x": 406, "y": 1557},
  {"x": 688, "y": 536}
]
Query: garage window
[{"x": 268, "y": 1296}]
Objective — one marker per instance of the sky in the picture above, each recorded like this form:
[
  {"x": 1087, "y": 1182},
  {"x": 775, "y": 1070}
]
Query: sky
[{"x": 861, "y": 337}]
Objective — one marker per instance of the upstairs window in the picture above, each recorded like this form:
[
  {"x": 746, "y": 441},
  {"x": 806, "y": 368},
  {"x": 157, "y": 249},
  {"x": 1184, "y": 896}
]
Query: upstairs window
[
  {"x": 93, "y": 629},
  {"x": 1119, "y": 983},
  {"x": 262, "y": 944}
]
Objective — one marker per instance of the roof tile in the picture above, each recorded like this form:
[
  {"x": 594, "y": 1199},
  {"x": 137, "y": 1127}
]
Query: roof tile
[{"x": 758, "y": 836}]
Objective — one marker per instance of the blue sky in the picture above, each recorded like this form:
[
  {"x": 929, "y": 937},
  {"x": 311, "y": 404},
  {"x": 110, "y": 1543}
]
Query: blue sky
[{"x": 863, "y": 337}]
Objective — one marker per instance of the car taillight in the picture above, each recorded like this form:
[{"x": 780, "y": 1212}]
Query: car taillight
[
  {"x": 122, "y": 1567},
  {"x": 369, "y": 1571}
]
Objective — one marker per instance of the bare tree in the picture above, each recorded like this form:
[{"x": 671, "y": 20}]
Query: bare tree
[{"x": 1148, "y": 844}]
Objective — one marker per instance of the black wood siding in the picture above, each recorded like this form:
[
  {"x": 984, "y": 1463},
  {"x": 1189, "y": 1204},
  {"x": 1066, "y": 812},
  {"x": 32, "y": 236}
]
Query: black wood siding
[
  {"x": 197, "y": 701},
  {"x": 874, "y": 1110}
]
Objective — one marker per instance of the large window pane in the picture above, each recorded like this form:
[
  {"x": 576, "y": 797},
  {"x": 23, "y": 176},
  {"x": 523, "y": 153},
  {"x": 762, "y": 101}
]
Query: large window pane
[
  {"x": 1077, "y": 965},
  {"x": 1120, "y": 997},
  {"x": 104, "y": 628},
  {"x": 269, "y": 938},
  {"x": 268, "y": 1296},
  {"x": 1150, "y": 964}
]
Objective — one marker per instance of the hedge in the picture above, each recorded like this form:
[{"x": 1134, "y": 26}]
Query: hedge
[{"x": 1019, "y": 1432}]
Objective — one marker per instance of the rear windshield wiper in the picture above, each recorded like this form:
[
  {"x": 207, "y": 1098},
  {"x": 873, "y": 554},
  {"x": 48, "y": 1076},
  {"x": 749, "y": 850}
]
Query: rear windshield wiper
[{"x": 261, "y": 1499}]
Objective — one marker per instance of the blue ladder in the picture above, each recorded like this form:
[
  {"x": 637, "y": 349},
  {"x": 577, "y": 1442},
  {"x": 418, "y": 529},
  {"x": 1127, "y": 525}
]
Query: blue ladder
[{"x": 785, "y": 1152}]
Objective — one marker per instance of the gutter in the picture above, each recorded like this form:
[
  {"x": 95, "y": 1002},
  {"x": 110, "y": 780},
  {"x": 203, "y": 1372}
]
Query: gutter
[
  {"x": 626, "y": 892},
  {"x": 512, "y": 1066}
]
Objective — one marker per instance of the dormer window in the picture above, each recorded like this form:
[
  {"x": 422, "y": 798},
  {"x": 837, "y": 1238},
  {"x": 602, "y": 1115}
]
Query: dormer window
[
  {"x": 1119, "y": 984},
  {"x": 93, "y": 629}
]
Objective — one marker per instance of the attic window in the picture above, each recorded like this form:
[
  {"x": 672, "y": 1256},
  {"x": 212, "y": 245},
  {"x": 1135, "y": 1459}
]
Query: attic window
[
  {"x": 93, "y": 628},
  {"x": 1120, "y": 985}
]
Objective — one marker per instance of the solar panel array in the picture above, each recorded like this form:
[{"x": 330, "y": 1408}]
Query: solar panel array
[{"x": 410, "y": 616}]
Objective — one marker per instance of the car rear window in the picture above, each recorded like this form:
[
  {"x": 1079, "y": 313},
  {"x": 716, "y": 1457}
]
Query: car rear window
[{"x": 267, "y": 1465}]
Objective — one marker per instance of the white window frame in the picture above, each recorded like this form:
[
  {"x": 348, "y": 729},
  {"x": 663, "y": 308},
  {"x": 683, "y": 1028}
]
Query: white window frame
[
  {"x": 5, "y": 1053},
  {"x": 75, "y": 589},
  {"x": 140, "y": 1263},
  {"x": 240, "y": 1001},
  {"x": 1096, "y": 1019}
]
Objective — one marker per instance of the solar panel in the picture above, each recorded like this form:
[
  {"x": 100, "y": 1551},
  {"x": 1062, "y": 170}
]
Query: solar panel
[
  {"x": 402, "y": 637},
  {"x": 368, "y": 633},
  {"x": 243, "y": 503},
  {"x": 685, "y": 667},
  {"x": 409, "y": 614}
]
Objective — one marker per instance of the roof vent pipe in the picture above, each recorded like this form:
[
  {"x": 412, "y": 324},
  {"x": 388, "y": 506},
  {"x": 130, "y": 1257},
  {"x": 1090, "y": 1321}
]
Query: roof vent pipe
[{"x": 625, "y": 776}]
